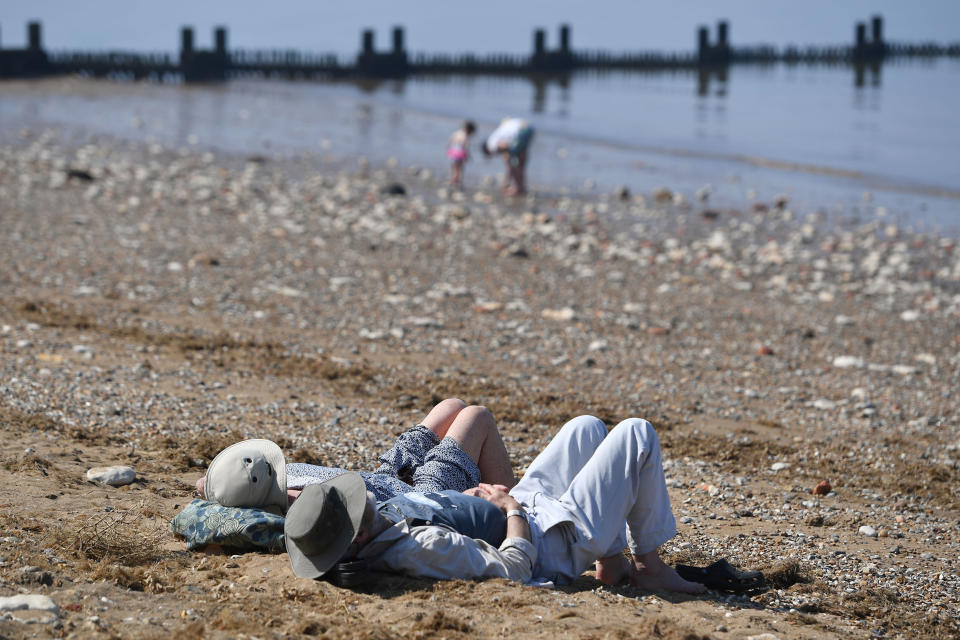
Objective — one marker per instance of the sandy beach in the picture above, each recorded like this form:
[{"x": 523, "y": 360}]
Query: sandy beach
[{"x": 156, "y": 306}]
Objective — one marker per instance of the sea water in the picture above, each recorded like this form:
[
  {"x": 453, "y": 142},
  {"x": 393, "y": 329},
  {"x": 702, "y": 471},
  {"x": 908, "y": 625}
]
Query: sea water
[{"x": 826, "y": 137}]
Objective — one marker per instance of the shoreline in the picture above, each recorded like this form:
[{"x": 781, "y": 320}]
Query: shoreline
[
  {"x": 674, "y": 208},
  {"x": 726, "y": 180}
]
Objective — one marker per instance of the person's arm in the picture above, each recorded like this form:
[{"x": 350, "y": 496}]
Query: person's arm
[
  {"x": 438, "y": 552},
  {"x": 517, "y": 525},
  {"x": 497, "y": 494}
]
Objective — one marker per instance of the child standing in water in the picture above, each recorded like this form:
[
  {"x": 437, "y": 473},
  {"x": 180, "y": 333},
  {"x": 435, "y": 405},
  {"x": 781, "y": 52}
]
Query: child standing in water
[{"x": 457, "y": 151}]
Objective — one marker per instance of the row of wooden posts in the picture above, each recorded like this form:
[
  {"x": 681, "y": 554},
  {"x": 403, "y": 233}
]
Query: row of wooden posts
[{"x": 194, "y": 64}]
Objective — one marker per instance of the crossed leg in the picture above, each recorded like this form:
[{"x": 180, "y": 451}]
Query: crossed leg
[
  {"x": 475, "y": 430},
  {"x": 479, "y": 452},
  {"x": 606, "y": 482}
]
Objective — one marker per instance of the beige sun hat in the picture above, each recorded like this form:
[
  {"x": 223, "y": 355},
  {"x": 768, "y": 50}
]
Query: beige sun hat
[
  {"x": 251, "y": 473},
  {"x": 323, "y": 522}
]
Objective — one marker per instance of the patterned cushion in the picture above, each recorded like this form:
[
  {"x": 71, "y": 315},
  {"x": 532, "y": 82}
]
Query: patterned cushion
[{"x": 202, "y": 523}]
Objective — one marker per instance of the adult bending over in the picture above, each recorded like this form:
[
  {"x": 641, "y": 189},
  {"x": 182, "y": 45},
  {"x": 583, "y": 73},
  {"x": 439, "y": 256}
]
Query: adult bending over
[{"x": 512, "y": 141}]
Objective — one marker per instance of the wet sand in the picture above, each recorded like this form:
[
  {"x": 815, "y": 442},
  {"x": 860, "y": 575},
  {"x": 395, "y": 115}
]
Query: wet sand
[{"x": 155, "y": 306}]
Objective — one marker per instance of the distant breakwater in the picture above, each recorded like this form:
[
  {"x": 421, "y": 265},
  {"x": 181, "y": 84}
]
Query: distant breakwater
[{"x": 220, "y": 63}]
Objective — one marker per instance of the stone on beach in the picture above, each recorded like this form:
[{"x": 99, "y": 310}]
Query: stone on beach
[
  {"x": 848, "y": 362},
  {"x": 561, "y": 315},
  {"x": 34, "y": 602},
  {"x": 115, "y": 476},
  {"x": 598, "y": 345},
  {"x": 35, "y": 608},
  {"x": 662, "y": 194}
]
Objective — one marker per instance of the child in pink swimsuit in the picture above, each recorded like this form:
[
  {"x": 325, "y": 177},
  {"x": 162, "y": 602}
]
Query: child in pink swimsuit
[{"x": 457, "y": 151}]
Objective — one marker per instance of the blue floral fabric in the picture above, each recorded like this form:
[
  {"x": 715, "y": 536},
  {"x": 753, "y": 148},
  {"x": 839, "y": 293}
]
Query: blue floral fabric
[
  {"x": 202, "y": 522},
  {"x": 418, "y": 461}
]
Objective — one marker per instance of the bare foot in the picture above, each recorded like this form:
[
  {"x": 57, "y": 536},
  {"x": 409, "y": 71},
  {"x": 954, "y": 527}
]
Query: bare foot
[
  {"x": 650, "y": 572},
  {"x": 667, "y": 580},
  {"x": 614, "y": 569}
]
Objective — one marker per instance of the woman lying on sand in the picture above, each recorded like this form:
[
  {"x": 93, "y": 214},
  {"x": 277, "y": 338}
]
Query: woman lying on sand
[{"x": 454, "y": 447}]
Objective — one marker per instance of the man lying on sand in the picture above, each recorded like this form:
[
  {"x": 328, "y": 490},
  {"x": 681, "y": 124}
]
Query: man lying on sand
[
  {"x": 585, "y": 498},
  {"x": 454, "y": 448}
]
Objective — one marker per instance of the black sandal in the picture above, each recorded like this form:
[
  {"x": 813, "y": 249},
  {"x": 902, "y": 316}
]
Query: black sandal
[{"x": 723, "y": 576}]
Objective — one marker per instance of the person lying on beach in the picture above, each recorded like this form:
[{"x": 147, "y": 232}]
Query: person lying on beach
[
  {"x": 457, "y": 151},
  {"x": 454, "y": 447},
  {"x": 511, "y": 140},
  {"x": 585, "y": 498}
]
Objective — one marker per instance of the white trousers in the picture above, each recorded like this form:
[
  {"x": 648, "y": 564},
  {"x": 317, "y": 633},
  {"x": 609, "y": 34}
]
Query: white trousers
[{"x": 591, "y": 493}]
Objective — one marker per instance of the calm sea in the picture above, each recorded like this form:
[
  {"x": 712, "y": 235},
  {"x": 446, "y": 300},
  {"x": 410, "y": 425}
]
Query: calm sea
[{"x": 827, "y": 139}]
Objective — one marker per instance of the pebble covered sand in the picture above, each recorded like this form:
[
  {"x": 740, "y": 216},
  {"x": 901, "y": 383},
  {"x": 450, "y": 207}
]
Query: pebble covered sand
[{"x": 801, "y": 370}]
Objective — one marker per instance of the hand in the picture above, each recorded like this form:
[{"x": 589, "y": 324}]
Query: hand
[
  {"x": 496, "y": 494},
  {"x": 475, "y": 491}
]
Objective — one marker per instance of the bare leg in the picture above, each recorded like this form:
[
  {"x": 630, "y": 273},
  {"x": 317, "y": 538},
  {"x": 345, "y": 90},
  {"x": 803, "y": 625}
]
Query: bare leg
[
  {"x": 519, "y": 173},
  {"x": 441, "y": 416},
  {"x": 456, "y": 178},
  {"x": 476, "y": 432}
]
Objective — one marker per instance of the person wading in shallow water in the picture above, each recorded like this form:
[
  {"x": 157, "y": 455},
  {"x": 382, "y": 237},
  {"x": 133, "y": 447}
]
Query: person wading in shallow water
[
  {"x": 585, "y": 498},
  {"x": 454, "y": 447}
]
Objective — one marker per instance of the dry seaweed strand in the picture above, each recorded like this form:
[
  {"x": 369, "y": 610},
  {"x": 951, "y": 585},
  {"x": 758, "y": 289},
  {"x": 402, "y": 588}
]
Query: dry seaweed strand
[{"x": 121, "y": 536}]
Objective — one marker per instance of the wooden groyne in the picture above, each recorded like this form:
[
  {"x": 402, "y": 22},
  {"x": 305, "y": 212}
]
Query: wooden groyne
[{"x": 220, "y": 63}]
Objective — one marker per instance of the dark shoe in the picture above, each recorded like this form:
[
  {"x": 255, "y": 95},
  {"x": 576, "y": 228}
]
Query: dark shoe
[
  {"x": 348, "y": 574},
  {"x": 723, "y": 576}
]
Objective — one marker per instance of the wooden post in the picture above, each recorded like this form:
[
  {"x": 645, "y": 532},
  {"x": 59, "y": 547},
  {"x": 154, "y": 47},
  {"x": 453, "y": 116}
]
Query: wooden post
[
  {"x": 703, "y": 43},
  {"x": 722, "y": 29},
  {"x": 565, "y": 38},
  {"x": 877, "y": 29},
  {"x": 220, "y": 37},
  {"x": 186, "y": 41},
  {"x": 861, "y": 35},
  {"x": 539, "y": 40},
  {"x": 368, "y": 41},
  {"x": 33, "y": 36},
  {"x": 398, "y": 39}
]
